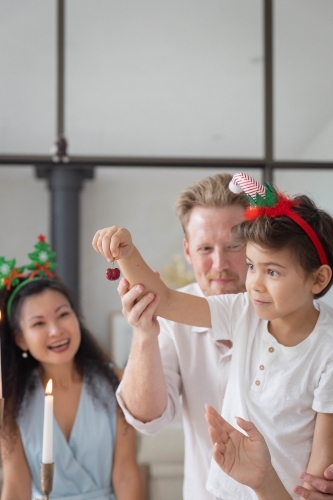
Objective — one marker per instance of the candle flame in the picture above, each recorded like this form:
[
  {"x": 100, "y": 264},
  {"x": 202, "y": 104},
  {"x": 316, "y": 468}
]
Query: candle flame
[{"x": 48, "y": 389}]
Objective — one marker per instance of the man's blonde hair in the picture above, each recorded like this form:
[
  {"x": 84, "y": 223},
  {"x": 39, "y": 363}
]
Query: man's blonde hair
[{"x": 209, "y": 192}]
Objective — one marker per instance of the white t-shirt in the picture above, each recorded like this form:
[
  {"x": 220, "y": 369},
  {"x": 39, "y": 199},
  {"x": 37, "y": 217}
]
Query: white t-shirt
[
  {"x": 278, "y": 388},
  {"x": 196, "y": 369}
]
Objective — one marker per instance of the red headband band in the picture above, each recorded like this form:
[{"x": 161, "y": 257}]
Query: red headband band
[
  {"x": 284, "y": 207},
  {"x": 266, "y": 200}
]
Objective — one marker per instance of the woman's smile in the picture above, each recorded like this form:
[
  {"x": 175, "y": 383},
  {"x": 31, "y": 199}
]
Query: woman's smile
[{"x": 60, "y": 346}]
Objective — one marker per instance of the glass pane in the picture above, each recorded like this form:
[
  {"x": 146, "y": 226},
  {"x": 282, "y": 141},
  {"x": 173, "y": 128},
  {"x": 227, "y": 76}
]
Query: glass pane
[
  {"x": 303, "y": 79},
  {"x": 25, "y": 214},
  {"x": 27, "y": 82},
  {"x": 175, "y": 78}
]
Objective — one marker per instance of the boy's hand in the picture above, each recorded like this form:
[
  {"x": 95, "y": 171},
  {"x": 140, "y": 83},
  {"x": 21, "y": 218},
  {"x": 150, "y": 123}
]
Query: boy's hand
[
  {"x": 244, "y": 458},
  {"x": 113, "y": 243}
]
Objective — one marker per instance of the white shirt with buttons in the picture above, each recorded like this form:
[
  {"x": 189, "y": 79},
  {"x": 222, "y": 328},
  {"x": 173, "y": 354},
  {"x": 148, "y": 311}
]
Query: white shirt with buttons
[
  {"x": 278, "y": 388},
  {"x": 196, "y": 369}
]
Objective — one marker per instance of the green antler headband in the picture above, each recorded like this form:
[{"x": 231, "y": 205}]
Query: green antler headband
[
  {"x": 266, "y": 200},
  {"x": 42, "y": 264}
]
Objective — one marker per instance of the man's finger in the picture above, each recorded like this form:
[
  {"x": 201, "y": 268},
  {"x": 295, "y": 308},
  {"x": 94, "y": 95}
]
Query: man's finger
[
  {"x": 123, "y": 287},
  {"x": 310, "y": 495},
  {"x": 130, "y": 298},
  {"x": 320, "y": 484},
  {"x": 329, "y": 473}
]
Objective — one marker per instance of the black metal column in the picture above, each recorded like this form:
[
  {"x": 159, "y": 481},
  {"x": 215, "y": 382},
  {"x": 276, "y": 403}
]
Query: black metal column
[
  {"x": 268, "y": 76},
  {"x": 65, "y": 185}
]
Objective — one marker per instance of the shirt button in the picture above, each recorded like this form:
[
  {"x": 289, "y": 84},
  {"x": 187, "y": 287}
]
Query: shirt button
[
  {"x": 257, "y": 382},
  {"x": 261, "y": 367},
  {"x": 271, "y": 349}
]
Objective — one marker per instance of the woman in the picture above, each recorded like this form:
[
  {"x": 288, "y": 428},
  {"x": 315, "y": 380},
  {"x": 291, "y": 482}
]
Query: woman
[{"x": 43, "y": 337}]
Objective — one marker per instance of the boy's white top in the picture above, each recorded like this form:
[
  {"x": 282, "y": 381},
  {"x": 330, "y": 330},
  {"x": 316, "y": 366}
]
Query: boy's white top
[{"x": 278, "y": 388}]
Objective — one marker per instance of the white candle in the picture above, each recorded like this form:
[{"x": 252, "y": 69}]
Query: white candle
[
  {"x": 47, "y": 454},
  {"x": 0, "y": 368}
]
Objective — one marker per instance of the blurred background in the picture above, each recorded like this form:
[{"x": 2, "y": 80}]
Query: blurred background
[
  {"x": 152, "y": 96},
  {"x": 176, "y": 79}
]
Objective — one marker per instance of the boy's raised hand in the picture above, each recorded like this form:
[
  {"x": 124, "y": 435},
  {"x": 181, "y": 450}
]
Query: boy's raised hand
[
  {"x": 244, "y": 458},
  {"x": 113, "y": 243}
]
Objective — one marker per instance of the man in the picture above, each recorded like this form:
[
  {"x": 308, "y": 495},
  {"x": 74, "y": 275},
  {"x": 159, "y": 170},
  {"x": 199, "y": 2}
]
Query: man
[
  {"x": 182, "y": 360},
  {"x": 169, "y": 360}
]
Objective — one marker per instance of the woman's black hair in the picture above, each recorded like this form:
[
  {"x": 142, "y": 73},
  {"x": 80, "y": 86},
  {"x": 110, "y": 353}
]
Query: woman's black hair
[{"x": 17, "y": 373}]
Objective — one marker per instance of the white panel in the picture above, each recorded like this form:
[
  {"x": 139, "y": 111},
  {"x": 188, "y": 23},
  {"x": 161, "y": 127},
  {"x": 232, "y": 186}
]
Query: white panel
[
  {"x": 303, "y": 39},
  {"x": 167, "y": 78},
  {"x": 24, "y": 212},
  {"x": 27, "y": 82}
]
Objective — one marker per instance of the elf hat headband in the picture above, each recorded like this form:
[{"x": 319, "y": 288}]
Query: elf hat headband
[
  {"x": 266, "y": 200},
  {"x": 42, "y": 264}
]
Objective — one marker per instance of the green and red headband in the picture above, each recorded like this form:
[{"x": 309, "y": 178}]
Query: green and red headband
[
  {"x": 42, "y": 264},
  {"x": 265, "y": 200}
]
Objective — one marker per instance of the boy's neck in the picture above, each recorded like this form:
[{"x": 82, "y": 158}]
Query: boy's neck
[{"x": 291, "y": 330}]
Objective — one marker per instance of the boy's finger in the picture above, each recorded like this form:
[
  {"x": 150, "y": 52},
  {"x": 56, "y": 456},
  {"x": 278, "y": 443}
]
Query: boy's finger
[
  {"x": 95, "y": 241},
  {"x": 105, "y": 244},
  {"x": 223, "y": 423},
  {"x": 218, "y": 455},
  {"x": 219, "y": 433}
]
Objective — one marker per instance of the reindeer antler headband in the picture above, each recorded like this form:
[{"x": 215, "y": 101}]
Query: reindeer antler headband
[{"x": 266, "y": 200}]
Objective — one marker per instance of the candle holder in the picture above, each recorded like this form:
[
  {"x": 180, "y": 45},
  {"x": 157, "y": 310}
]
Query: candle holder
[
  {"x": 46, "y": 479},
  {"x": 2, "y": 405}
]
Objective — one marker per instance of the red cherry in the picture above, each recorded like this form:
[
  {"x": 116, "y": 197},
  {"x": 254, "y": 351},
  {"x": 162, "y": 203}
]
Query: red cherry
[{"x": 112, "y": 274}]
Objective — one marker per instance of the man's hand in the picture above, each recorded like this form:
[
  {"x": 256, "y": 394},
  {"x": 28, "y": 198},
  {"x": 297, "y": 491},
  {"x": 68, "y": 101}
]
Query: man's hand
[
  {"x": 113, "y": 243},
  {"x": 139, "y": 309},
  {"x": 324, "y": 486}
]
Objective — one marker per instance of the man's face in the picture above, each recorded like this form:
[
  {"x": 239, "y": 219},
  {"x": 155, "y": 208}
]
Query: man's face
[{"x": 218, "y": 264}]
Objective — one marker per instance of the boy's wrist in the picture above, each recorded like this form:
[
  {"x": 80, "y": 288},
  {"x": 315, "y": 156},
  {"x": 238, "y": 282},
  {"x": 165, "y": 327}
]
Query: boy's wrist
[{"x": 272, "y": 488}]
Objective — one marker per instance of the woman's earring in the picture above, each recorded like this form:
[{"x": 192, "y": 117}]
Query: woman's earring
[{"x": 24, "y": 354}]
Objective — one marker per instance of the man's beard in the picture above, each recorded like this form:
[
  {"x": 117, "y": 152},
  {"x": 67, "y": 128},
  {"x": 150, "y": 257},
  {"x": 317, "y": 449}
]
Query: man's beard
[{"x": 233, "y": 286}]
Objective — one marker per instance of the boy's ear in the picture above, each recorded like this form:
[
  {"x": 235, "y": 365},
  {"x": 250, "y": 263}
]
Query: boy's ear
[
  {"x": 322, "y": 278},
  {"x": 20, "y": 341}
]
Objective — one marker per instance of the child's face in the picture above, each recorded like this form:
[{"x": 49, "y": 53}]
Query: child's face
[
  {"x": 49, "y": 328},
  {"x": 278, "y": 288}
]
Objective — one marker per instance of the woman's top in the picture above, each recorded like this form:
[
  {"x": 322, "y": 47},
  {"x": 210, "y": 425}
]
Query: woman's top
[{"x": 82, "y": 465}]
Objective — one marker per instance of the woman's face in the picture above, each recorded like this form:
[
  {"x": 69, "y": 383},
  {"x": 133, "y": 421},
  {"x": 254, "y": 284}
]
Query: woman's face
[{"x": 50, "y": 329}]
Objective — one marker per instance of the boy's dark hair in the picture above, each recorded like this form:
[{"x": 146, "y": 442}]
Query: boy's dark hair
[{"x": 282, "y": 232}]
